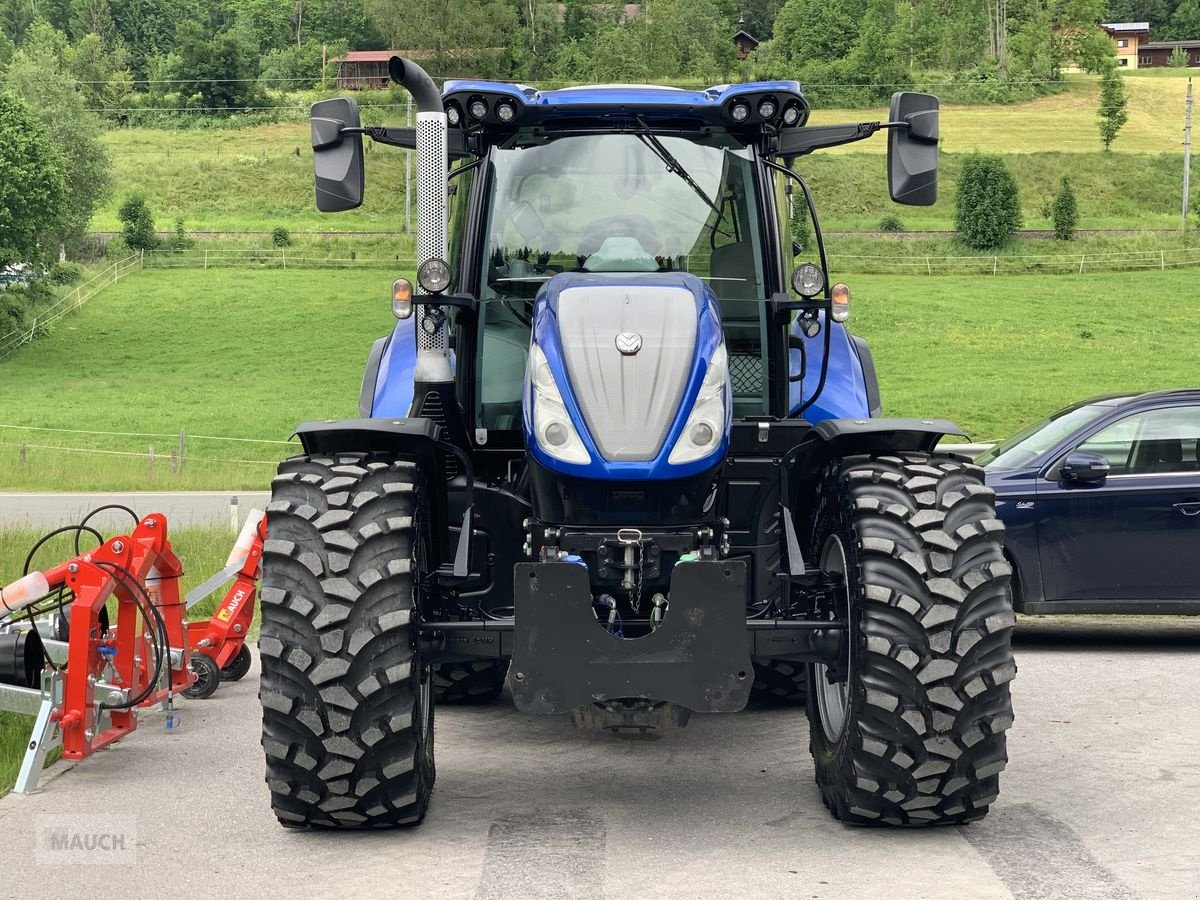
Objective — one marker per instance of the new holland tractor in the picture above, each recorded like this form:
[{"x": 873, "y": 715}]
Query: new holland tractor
[{"x": 618, "y": 452}]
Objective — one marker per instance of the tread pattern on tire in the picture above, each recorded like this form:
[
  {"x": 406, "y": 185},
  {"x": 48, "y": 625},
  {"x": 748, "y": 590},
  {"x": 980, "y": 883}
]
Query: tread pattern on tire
[
  {"x": 340, "y": 683},
  {"x": 781, "y": 681},
  {"x": 930, "y": 699},
  {"x": 478, "y": 681}
]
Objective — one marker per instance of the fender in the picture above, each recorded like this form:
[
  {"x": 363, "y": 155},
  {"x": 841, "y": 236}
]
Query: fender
[
  {"x": 419, "y": 439},
  {"x": 802, "y": 468}
]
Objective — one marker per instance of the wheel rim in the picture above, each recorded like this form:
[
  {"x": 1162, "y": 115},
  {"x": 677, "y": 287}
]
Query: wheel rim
[{"x": 833, "y": 700}]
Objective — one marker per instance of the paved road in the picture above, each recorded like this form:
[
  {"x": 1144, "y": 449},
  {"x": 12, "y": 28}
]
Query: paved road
[
  {"x": 1099, "y": 803},
  {"x": 45, "y": 511},
  {"x": 50, "y": 510}
]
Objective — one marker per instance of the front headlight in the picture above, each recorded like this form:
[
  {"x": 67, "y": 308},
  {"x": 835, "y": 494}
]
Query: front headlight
[
  {"x": 706, "y": 425},
  {"x": 552, "y": 427}
]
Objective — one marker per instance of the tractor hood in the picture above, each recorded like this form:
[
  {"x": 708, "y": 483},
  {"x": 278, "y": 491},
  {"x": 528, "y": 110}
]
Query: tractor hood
[{"x": 627, "y": 377}]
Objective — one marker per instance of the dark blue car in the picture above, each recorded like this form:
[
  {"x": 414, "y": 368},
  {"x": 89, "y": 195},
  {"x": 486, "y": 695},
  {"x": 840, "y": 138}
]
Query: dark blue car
[{"x": 1102, "y": 505}]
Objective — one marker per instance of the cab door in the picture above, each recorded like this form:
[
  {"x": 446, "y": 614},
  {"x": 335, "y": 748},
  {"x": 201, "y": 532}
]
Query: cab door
[{"x": 1135, "y": 537}]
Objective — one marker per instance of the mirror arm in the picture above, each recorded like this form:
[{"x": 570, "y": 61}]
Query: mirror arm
[
  {"x": 802, "y": 141},
  {"x": 406, "y": 137}
]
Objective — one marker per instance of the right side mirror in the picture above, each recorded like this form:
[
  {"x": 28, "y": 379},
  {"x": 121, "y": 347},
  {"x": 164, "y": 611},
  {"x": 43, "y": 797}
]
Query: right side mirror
[
  {"x": 1084, "y": 467},
  {"x": 912, "y": 151},
  {"x": 337, "y": 157}
]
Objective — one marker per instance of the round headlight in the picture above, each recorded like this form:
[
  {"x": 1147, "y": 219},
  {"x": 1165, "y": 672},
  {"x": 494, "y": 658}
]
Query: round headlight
[
  {"x": 841, "y": 303},
  {"x": 702, "y": 434},
  {"x": 453, "y": 115},
  {"x": 808, "y": 280},
  {"x": 767, "y": 108},
  {"x": 556, "y": 434},
  {"x": 477, "y": 108},
  {"x": 791, "y": 115},
  {"x": 740, "y": 111},
  {"x": 506, "y": 112},
  {"x": 434, "y": 276}
]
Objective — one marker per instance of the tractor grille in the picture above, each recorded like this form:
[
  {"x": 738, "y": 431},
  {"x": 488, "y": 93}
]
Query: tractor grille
[{"x": 746, "y": 373}]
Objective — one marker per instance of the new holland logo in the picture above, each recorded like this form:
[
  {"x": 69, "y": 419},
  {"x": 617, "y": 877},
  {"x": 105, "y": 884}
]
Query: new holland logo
[{"x": 629, "y": 342}]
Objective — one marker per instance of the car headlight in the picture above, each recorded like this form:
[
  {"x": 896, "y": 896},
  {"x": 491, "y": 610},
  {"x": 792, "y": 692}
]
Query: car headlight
[
  {"x": 706, "y": 425},
  {"x": 552, "y": 427}
]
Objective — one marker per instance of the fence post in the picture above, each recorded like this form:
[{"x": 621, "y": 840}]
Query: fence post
[
  {"x": 1163, "y": 259},
  {"x": 21, "y": 457},
  {"x": 206, "y": 257},
  {"x": 1082, "y": 257},
  {"x": 182, "y": 447},
  {"x": 150, "y": 467},
  {"x": 284, "y": 252},
  {"x": 995, "y": 264},
  {"x": 174, "y": 461},
  {"x": 928, "y": 267}
]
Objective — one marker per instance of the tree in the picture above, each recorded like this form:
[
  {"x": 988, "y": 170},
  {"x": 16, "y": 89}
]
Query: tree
[
  {"x": 219, "y": 72},
  {"x": 1112, "y": 113},
  {"x": 40, "y": 74},
  {"x": 31, "y": 191},
  {"x": 137, "y": 223},
  {"x": 988, "y": 207},
  {"x": 1066, "y": 211},
  {"x": 1184, "y": 24}
]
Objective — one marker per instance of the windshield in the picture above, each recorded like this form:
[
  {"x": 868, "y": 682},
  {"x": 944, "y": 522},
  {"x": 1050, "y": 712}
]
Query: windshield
[
  {"x": 617, "y": 203},
  {"x": 1035, "y": 440}
]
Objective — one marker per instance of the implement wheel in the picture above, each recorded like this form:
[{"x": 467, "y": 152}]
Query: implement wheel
[
  {"x": 347, "y": 701},
  {"x": 208, "y": 677},
  {"x": 237, "y": 669},
  {"x": 915, "y": 734}
]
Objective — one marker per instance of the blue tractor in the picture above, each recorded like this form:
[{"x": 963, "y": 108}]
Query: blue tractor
[{"x": 621, "y": 453}]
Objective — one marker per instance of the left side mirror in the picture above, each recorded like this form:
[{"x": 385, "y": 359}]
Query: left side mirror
[
  {"x": 337, "y": 157},
  {"x": 1084, "y": 467},
  {"x": 912, "y": 151}
]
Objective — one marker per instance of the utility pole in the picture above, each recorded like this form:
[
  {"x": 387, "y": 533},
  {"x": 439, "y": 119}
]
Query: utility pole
[
  {"x": 408, "y": 168},
  {"x": 1187, "y": 155}
]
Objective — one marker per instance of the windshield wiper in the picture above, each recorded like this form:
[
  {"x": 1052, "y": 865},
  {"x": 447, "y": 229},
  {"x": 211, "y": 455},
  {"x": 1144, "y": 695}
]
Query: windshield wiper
[{"x": 646, "y": 136}]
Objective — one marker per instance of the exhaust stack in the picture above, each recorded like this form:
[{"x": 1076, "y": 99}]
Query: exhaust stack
[{"x": 433, "y": 346}]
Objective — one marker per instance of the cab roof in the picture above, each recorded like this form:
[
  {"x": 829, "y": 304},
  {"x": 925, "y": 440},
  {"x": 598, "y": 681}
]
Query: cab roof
[{"x": 737, "y": 106}]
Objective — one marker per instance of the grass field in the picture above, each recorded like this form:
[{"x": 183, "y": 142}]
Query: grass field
[
  {"x": 253, "y": 179},
  {"x": 224, "y": 353},
  {"x": 247, "y": 355},
  {"x": 202, "y": 550}
]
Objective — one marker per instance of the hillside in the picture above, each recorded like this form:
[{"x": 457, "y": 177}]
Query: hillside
[
  {"x": 254, "y": 179},
  {"x": 245, "y": 354}
]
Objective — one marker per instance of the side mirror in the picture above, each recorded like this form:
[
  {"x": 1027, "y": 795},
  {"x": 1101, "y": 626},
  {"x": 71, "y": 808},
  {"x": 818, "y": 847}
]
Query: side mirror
[
  {"x": 912, "y": 151},
  {"x": 1084, "y": 467},
  {"x": 337, "y": 157}
]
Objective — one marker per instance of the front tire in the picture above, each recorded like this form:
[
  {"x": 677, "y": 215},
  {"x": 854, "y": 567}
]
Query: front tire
[
  {"x": 347, "y": 700},
  {"x": 915, "y": 735}
]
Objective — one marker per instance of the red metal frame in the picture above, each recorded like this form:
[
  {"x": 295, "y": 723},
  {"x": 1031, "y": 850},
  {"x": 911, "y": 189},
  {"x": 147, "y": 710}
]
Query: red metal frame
[
  {"x": 147, "y": 556},
  {"x": 223, "y": 636}
]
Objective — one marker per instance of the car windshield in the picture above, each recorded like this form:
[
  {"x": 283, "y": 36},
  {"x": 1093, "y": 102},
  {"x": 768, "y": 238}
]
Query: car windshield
[
  {"x": 613, "y": 203},
  {"x": 1023, "y": 448}
]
